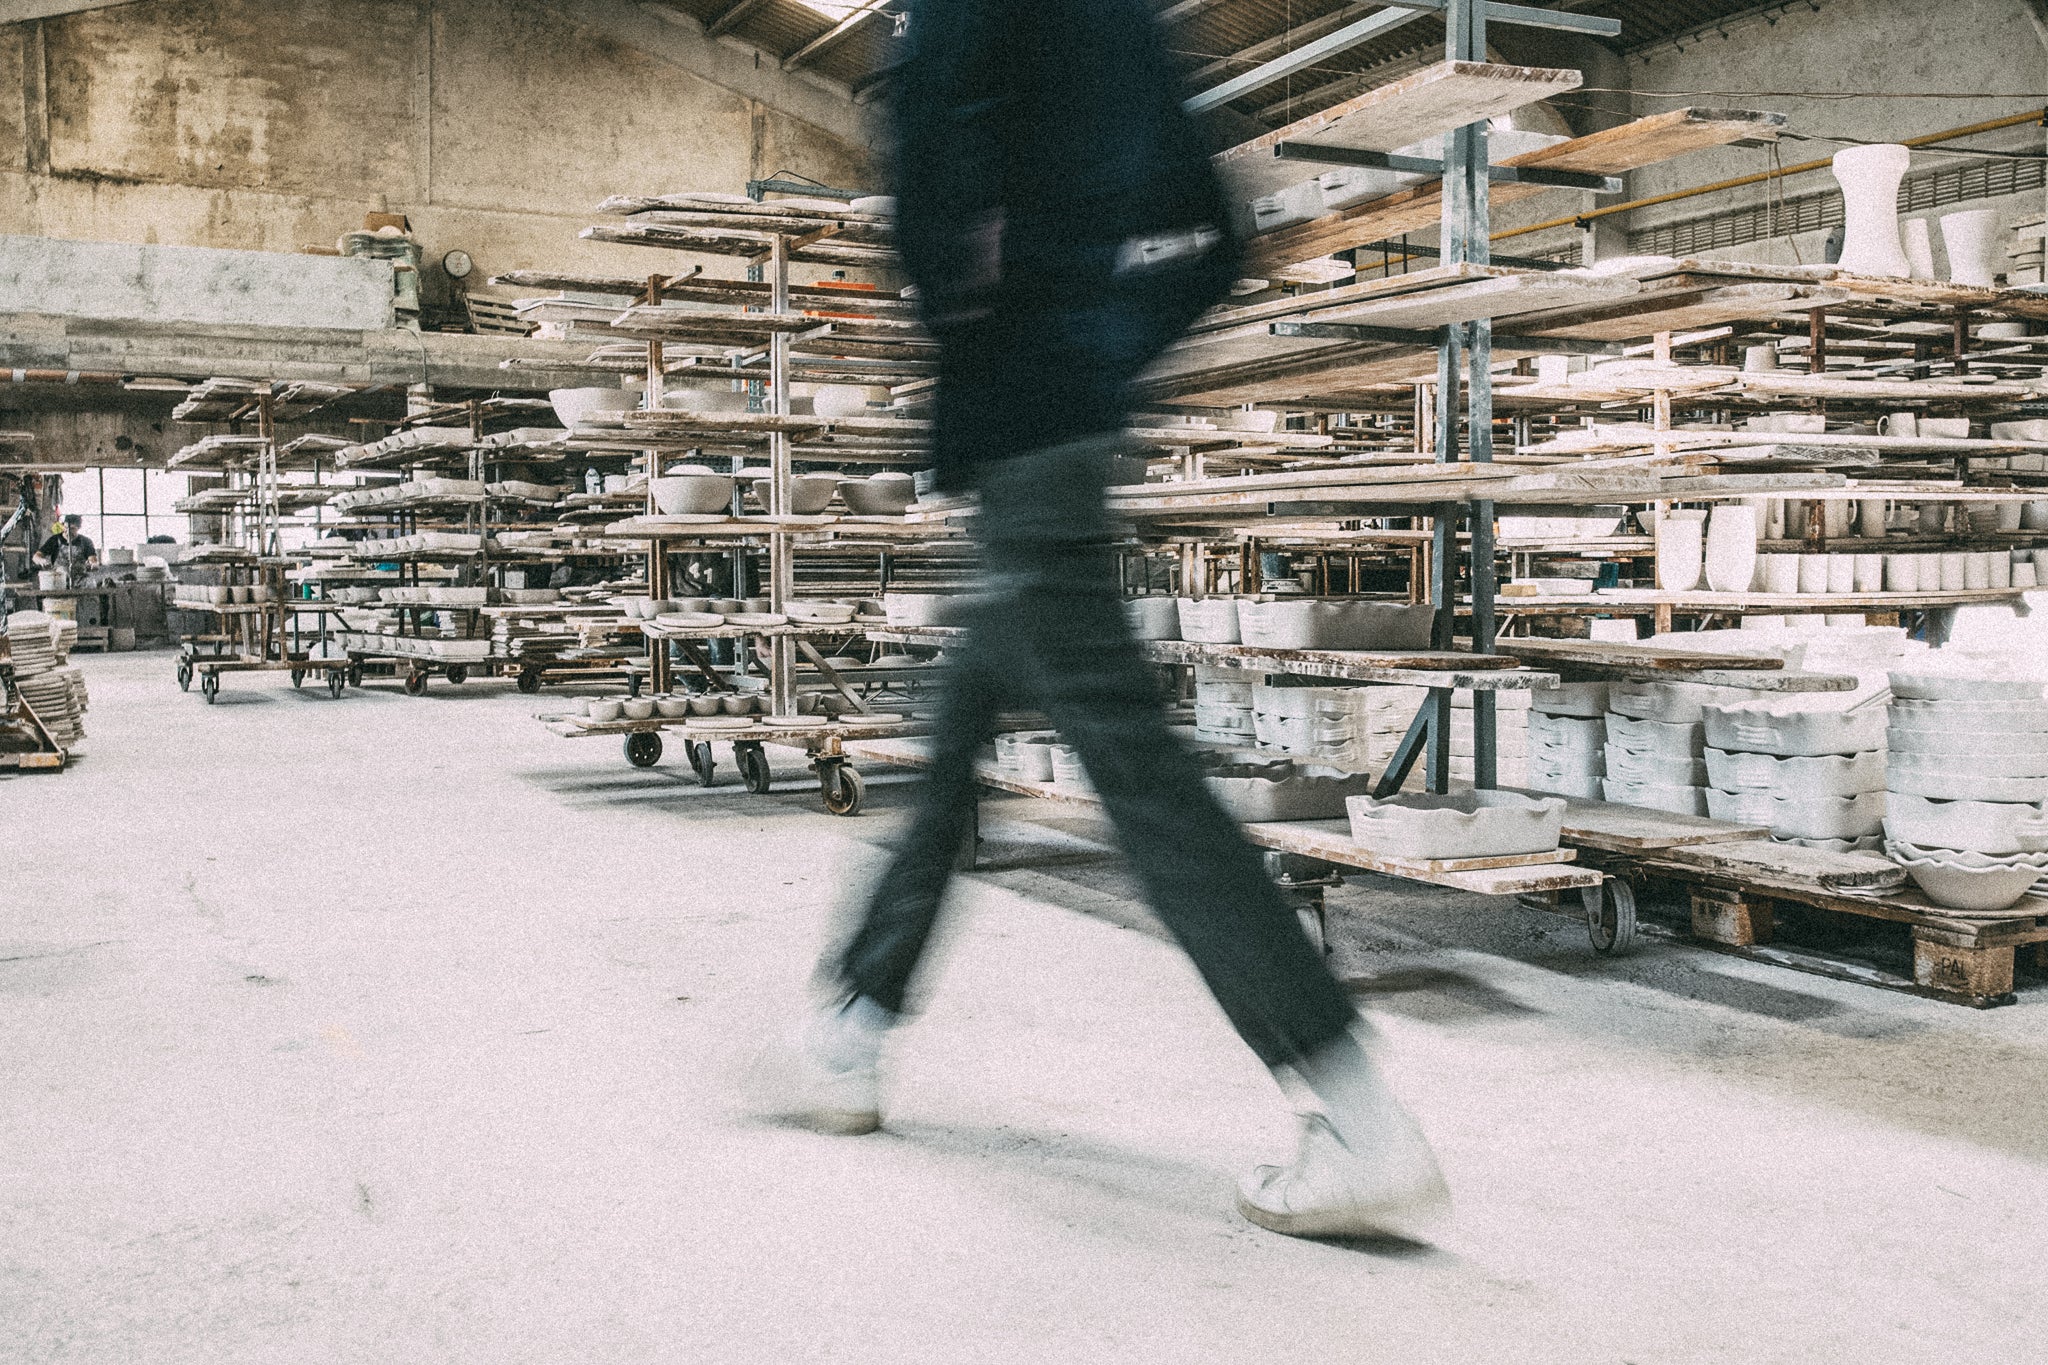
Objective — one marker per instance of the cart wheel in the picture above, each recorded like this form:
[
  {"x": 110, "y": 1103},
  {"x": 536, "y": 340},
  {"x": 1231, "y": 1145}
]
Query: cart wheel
[
  {"x": 529, "y": 680},
  {"x": 841, "y": 787},
  {"x": 184, "y": 675},
  {"x": 336, "y": 681},
  {"x": 643, "y": 749},
  {"x": 415, "y": 684},
  {"x": 754, "y": 771},
  {"x": 1610, "y": 916},
  {"x": 187, "y": 652},
  {"x": 699, "y": 752},
  {"x": 209, "y": 686},
  {"x": 355, "y": 674},
  {"x": 298, "y": 677},
  {"x": 458, "y": 674}
]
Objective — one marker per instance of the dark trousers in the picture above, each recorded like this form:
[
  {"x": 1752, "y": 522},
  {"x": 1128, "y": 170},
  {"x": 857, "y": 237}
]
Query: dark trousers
[{"x": 1051, "y": 633}]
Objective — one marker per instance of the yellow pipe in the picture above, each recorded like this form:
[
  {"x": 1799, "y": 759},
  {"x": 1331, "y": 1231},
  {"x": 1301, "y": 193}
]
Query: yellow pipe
[{"x": 1581, "y": 218}]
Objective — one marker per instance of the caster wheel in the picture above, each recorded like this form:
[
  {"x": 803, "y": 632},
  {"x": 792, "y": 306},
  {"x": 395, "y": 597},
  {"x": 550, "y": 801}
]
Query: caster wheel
[
  {"x": 699, "y": 752},
  {"x": 209, "y": 687},
  {"x": 336, "y": 681},
  {"x": 643, "y": 750},
  {"x": 355, "y": 675},
  {"x": 529, "y": 680},
  {"x": 415, "y": 684},
  {"x": 184, "y": 675},
  {"x": 842, "y": 789},
  {"x": 298, "y": 678},
  {"x": 1610, "y": 916},
  {"x": 754, "y": 770},
  {"x": 458, "y": 674}
]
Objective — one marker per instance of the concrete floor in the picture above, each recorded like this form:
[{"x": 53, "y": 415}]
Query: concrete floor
[{"x": 397, "y": 1029}]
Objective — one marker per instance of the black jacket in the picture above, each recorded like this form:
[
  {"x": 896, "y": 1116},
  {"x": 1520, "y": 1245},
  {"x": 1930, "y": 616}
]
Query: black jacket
[{"x": 1038, "y": 143}]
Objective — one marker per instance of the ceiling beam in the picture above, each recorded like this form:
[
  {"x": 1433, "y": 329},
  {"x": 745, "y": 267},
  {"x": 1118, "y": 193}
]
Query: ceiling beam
[
  {"x": 1280, "y": 42},
  {"x": 1308, "y": 54},
  {"x": 833, "y": 34},
  {"x": 729, "y": 16},
  {"x": 20, "y": 11},
  {"x": 1184, "y": 9}
]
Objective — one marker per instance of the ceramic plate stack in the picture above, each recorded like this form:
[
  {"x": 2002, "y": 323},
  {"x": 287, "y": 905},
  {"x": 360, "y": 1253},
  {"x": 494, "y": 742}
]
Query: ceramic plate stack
[
  {"x": 1810, "y": 768},
  {"x": 1223, "y": 705},
  {"x": 1655, "y": 753},
  {"x": 1968, "y": 770},
  {"x": 1568, "y": 739},
  {"x": 31, "y": 642},
  {"x": 57, "y": 695}
]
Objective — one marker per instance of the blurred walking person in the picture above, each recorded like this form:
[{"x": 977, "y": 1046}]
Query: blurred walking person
[{"x": 1059, "y": 217}]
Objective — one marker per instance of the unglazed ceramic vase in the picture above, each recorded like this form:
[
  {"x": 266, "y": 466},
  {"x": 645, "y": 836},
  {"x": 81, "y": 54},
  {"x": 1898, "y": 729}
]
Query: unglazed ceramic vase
[
  {"x": 1870, "y": 178},
  {"x": 1681, "y": 552},
  {"x": 1730, "y": 548},
  {"x": 1919, "y": 247},
  {"x": 1972, "y": 241}
]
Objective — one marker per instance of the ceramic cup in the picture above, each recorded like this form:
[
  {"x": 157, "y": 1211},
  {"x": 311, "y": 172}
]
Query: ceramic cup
[
  {"x": 2023, "y": 576},
  {"x": 1763, "y": 357},
  {"x": 1977, "y": 569},
  {"x": 1870, "y": 518},
  {"x": 1869, "y": 573},
  {"x": 1774, "y": 519},
  {"x": 757, "y": 605},
  {"x": 2034, "y": 516},
  {"x": 2010, "y": 515},
  {"x": 1841, "y": 573},
  {"x": 2001, "y": 569},
  {"x": 1901, "y": 573},
  {"x": 1954, "y": 570},
  {"x": 1813, "y": 573},
  {"x": 1781, "y": 573},
  {"x": 1899, "y": 424},
  {"x": 1681, "y": 550}
]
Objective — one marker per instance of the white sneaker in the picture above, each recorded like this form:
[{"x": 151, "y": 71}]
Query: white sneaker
[
  {"x": 824, "y": 1076},
  {"x": 1330, "y": 1190}
]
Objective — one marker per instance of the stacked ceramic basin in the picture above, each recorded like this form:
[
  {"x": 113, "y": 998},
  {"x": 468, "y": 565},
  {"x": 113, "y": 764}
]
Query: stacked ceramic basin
[
  {"x": 1316, "y": 724},
  {"x": 1256, "y": 790},
  {"x": 1223, "y": 705},
  {"x": 1810, "y": 768},
  {"x": 1330, "y": 623},
  {"x": 38, "y": 645},
  {"x": 1568, "y": 739},
  {"x": 1655, "y": 753},
  {"x": 1968, "y": 773}
]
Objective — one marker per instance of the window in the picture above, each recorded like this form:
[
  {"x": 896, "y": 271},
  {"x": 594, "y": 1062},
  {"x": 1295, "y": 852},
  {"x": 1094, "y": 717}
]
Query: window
[{"x": 125, "y": 507}]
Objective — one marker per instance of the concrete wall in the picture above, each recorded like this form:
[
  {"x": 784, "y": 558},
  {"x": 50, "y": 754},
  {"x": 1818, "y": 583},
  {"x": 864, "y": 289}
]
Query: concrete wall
[{"x": 496, "y": 125}]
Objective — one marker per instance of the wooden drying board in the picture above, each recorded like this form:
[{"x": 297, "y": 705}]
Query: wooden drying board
[
  {"x": 1419, "y": 668},
  {"x": 1613, "y": 151},
  {"x": 1605, "y": 654},
  {"x": 728, "y": 242},
  {"x": 1611, "y": 827},
  {"x": 1820, "y": 868},
  {"x": 1416, "y": 108}
]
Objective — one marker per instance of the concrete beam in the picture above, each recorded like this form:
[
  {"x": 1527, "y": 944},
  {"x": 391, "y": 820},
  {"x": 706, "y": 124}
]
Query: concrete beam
[
  {"x": 21, "y": 11},
  {"x": 672, "y": 35},
  {"x": 32, "y": 341}
]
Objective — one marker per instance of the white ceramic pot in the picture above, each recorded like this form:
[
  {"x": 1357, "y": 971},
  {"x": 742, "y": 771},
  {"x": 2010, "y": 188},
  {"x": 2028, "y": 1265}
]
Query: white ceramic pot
[
  {"x": 1977, "y": 569},
  {"x": 2034, "y": 516},
  {"x": 1869, "y": 573},
  {"x": 1681, "y": 553},
  {"x": 1870, "y": 178},
  {"x": 1813, "y": 573},
  {"x": 605, "y": 711},
  {"x": 1209, "y": 620},
  {"x": 1570, "y": 699},
  {"x": 2000, "y": 564},
  {"x": 1972, "y": 240},
  {"x": 1841, "y": 574},
  {"x": 1731, "y": 547},
  {"x": 1871, "y": 518},
  {"x": 1919, "y": 245},
  {"x": 1955, "y": 571},
  {"x": 839, "y": 400},
  {"x": 1781, "y": 573},
  {"x": 1758, "y": 358},
  {"x": 1960, "y": 886},
  {"x": 691, "y": 494},
  {"x": 2025, "y": 576},
  {"x": 1945, "y": 428},
  {"x": 1901, "y": 573},
  {"x": 1154, "y": 618}
]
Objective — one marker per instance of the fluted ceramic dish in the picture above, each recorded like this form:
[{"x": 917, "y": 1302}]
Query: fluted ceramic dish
[
  {"x": 1803, "y": 817},
  {"x": 1255, "y": 793},
  {"x": 2002, "y": 716},
  {"x": 1915, "y": 772},
  {"x": 1678, "y": 800},
  {"x": 1154, "y": 618},
  {"x": 1318, "y": 623},
  {"x": 1981, "y": 890},
  {"x": 1992, "y": 827},
  {"x": 1971, "y": 745},
  {"x": 1474, "y": 824},
  {"x": 1792, "y": 727},
  {"x": 1583, "y": 699},
  {"x": 1669, "y": 702},
  {"x": 1816, "y": 775},
  {"x": 1685, "y": 739},
  {"x": 1208, "y": 620},
  {"x": 1661, "y": 770},
  {"x": 1916, "y": 685}
]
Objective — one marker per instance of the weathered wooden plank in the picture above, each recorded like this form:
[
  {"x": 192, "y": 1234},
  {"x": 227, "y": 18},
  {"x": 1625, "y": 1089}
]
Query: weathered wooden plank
[
  {"x": 1424, "y": 105},
  {"x": 1643, "y": 142},
  {"x": 1795, "y": 863}
]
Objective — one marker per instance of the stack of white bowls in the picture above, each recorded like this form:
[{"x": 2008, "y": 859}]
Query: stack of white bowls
[
  {"x": 1968, "y": 773},
  {"x": 1656, "y": 744},
  {"x": 1810, "y": 768},
  {"x": 1568, "y": 738}
]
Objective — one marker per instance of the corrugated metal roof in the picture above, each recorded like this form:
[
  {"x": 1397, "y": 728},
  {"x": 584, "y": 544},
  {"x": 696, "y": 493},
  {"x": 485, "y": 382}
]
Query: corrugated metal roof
[{"x": 1218, "y": 40}]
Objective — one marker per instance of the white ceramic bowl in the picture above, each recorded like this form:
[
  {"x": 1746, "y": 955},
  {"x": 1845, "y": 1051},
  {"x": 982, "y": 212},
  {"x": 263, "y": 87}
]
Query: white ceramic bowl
[
  {"x": 672, "y": 707},
  {"x": 678, "y": 495},
  {"x": 637, "y": 708},
  {"x": 573, "y": 405},
  {"x": 880, "y": 495},
  {"x": 605, "y": 710},
  {"x": 1960, "y": 887}
]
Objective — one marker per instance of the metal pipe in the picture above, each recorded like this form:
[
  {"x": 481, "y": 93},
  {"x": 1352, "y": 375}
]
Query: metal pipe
[{"x": 1579, "y": 219}]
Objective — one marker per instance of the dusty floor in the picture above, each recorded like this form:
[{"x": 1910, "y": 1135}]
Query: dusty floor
[{"x": 398, "y": 1029}]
